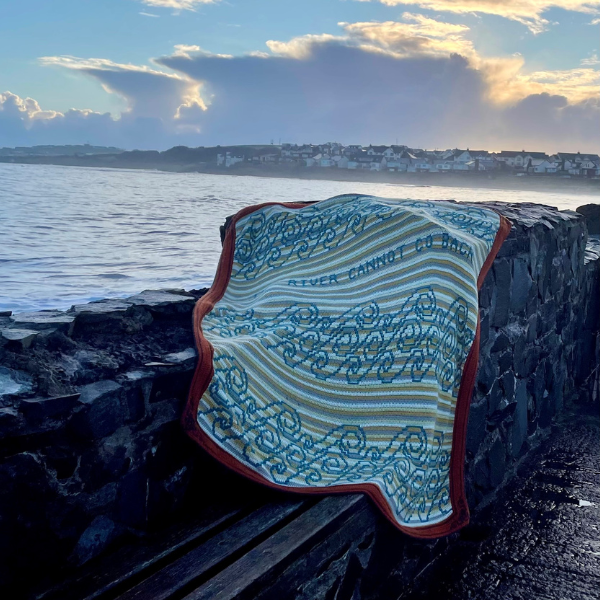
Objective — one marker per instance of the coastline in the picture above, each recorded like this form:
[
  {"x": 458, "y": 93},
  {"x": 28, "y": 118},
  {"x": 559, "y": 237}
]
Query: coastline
[{"x": 530, "y": 183}]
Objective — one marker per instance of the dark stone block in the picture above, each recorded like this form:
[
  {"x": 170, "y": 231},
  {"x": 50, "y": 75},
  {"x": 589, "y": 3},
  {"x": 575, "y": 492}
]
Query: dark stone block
[
  {"x": 481, "y": 474},
  {"x": 62, "y": 460},
  {"x": 556, "y": 276},
  {"x": 546, "y": 410},
  {"x": 95, "y": 539},
  {"x": 562, "y": 318},
  {"x": 18, "y": 339},
  {"x": 591, "y": 212},
  {"x": 100, "y": 316},
  {"x": 533, "y": 304},
  {"x": 501, "y": 342},
  {"x": 171, "y": 385},
  {"x": 548, "y": 317},
  {"x": 508, "y": 382},
  {"x": 519, "y": 425},
  {"x": 497, "y": 462},
  {"x": 485, "y": 294},
  {"x": 39, "y": 409},
  {"x": 502, "y": 287},
  {"x": 487, "y": 374},
  {"x": 102, "y": 412},
  {"x": 494, "y": 398},
  {"x": 135, "y": 403},
  {"x": 165, "y": 303},
  {"x": 14, "y": 382},
  {"x": 484, "y": 330},
  {"x": 505, "y": 361},
  {"x": 11, "y": 422},
  {"x": 131, "y": 499},
  {"x": 521, "y": 284},
  {"x": 45, "y": 319},
  {"x": 537, "y": 385},
  {"x": 501, "y": 416},
  {"x": 526, "y": 358},
  {"x": 476, "y": 426}
]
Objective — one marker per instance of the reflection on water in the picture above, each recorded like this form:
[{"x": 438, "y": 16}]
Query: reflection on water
[{"x": 70, "y": 235}]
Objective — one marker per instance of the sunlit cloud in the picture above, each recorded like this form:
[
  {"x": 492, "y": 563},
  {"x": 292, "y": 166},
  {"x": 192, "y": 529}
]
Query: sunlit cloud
[
  {"x": 147, "y": 91},
  {"x": 417, "y": 35},
  {"x": 528, "y": 12},
  {"x": 300, "y": 47}
]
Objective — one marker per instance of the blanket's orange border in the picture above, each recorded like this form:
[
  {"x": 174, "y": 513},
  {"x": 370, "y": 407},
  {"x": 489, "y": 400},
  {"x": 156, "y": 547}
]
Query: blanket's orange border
[{"x": 204, "y": 373}]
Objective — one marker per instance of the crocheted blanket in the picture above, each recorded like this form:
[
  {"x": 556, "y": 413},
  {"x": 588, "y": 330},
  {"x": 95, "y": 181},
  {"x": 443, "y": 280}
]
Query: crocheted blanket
[{"x": 338, "y": 348}]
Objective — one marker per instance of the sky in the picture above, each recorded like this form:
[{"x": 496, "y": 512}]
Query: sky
[{"x": 151, "y": 74}]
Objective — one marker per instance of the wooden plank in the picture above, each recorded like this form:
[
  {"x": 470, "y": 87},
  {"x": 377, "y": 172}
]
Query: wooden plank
[
  {"x": 310, "y": 571},
  {"x": 189, "y": 569},
  {"x": 258, "y": 563},
  {"x": 104, "y": 577}
]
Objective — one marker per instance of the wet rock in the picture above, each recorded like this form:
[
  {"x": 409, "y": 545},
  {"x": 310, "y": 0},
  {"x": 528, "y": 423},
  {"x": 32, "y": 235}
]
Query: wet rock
[
  {"x": 497, "y": 462},
  {"x": 11, "y": 422},
  {"x": 487, "y": 374},
  {"x": 18, "y": 338},
  {"x": 102, "y": 412},
  {"x": 164, "y": 302},
  {"x": 508, "y": 382},
  {"x": 45, "y": 319},
  {"x": 131, "y": 499},
  {"x": 521, "y": 284},
  {"x": 99, "y": 315},
  {"x": 13, "y": 382},
  {"x": 101, "y": 532},
  {"x": 476, "y": 426},
  {"x": 519, "y": 425},
  {"x": 171, "y": 385},
  {"x": 501, "y": 343},
  {"x": 591, "y": 212},
  {"x": 40, "y": 409},
  {"x": 505, "y": 361},
  {"x": 502, "y": 289},
  {"x": 179, "y": 357},
  {"x": 494, "y": 397}
]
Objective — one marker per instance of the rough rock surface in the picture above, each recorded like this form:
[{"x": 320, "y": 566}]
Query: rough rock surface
[{"x": 539, "y": 538}]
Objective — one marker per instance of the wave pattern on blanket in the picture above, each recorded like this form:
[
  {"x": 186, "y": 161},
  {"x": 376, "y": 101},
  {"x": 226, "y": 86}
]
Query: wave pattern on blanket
[{"x": 339, "y": 345}]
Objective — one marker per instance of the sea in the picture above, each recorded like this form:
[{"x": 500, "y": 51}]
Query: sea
[{"x": 69, "y": 235}]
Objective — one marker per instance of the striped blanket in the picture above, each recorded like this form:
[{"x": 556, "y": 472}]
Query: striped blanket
[{"x": 338, "y": 348}]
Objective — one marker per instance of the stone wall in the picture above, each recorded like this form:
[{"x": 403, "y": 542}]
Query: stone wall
[
  {"x": 91, "y": 450},
  {"x": 539, "y": 343}
]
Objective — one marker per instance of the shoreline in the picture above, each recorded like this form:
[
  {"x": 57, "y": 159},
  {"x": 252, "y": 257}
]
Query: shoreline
[{"x": 528, "y": 183}]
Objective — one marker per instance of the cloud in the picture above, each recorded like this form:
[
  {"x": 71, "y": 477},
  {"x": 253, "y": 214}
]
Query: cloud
[
  {"x": 418, "y": 35},
  {"x": 419, "y": 80},
  {"x": 147, "y": 14},
  {"x": 178, "y": 4},
  {"x": 527, "y": 12},
  {"x": 591, "y": 61},
  {"x": 149, "y": 93}
]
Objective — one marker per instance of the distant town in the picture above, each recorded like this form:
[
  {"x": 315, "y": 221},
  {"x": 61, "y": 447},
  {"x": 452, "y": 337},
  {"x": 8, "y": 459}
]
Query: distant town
[
  {"x": 413, "y": 160},
  {"x": 334, "y": 157}
]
